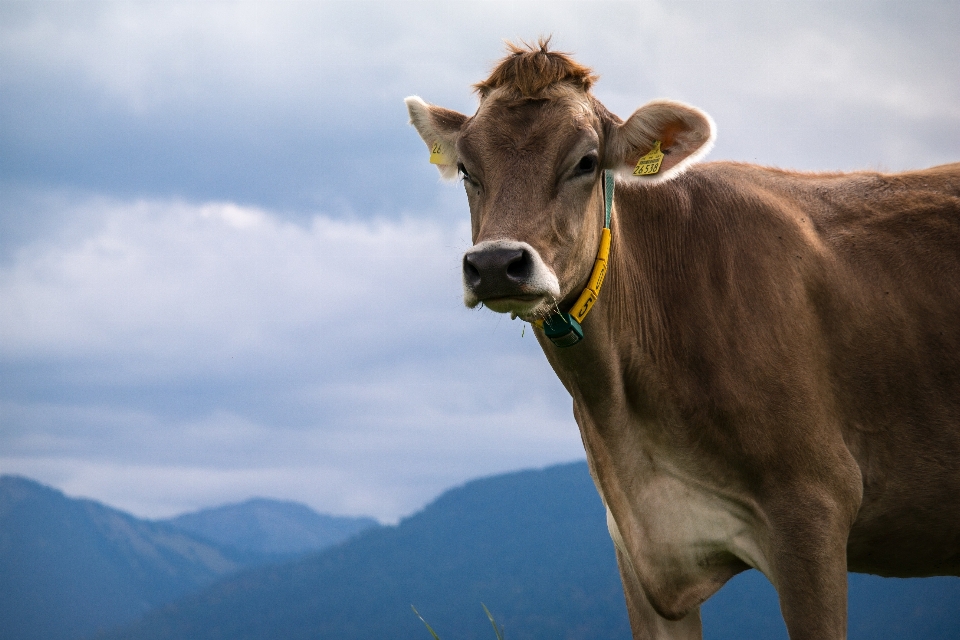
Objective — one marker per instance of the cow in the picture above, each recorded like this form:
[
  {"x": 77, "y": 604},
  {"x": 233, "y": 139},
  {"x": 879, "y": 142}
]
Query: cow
[{"x": 770, "y": 375}]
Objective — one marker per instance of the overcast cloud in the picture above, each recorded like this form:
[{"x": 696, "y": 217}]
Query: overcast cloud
[{"x": 227, "y": 269}]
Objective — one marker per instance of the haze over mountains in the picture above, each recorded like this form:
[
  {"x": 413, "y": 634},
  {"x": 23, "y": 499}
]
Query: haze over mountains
[
  {"x": 531, "y": 545},
  {"x": 270, "y": 526}
]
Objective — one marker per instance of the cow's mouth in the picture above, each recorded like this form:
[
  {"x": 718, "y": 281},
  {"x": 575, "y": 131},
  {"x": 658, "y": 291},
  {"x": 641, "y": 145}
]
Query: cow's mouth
[{"x": 518, "y": 305}]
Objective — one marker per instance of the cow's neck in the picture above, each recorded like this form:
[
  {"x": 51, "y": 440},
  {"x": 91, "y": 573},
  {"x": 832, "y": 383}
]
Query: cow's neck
[{"x": 616, "y": 373}]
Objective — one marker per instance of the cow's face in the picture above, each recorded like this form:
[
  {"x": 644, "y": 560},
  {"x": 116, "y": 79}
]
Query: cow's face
[{"x": 532, "y": 172}]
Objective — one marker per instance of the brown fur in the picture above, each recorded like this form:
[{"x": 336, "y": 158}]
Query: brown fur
[
  {"x": 771, "y": 374},
  {"x": 530, "y": 70}
]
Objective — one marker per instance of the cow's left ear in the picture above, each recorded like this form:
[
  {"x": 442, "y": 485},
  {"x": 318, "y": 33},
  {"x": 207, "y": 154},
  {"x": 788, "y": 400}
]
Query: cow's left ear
[
  {"x": 440, "y": 129},
  {"x": 659, "y": 141}
]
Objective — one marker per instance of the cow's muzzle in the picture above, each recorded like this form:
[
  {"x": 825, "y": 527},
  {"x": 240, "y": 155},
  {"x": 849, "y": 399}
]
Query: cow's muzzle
[{"x": 507, "y": 276}]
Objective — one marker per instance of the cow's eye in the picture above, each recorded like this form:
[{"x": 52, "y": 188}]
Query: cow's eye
[
  {"x": 587, "y": 165},
  {"x": 465, "y": 174}
]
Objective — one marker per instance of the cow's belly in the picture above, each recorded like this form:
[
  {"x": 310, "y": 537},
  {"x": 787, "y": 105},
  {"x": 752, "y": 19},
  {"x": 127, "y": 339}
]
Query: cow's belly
[
  {"x": 685, "y": 541},
  {"x": 899, "y": 539},
  {"x": 908, "y": 523}
]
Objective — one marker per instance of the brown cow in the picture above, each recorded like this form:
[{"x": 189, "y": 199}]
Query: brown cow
[{"x": 770, "y": 377}]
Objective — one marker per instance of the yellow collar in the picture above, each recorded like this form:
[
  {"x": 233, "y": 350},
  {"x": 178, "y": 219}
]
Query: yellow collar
[{"x": 563, "y": 328}]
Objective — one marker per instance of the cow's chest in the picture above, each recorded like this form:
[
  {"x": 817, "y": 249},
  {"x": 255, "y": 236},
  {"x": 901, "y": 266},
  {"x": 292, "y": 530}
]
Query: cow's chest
[
  {"x": 679, "y": 529},
  {"x": 679, "y": 534}
]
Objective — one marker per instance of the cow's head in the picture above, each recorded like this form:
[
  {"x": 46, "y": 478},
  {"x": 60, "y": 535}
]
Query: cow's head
[{"x": 531, "y": 158}]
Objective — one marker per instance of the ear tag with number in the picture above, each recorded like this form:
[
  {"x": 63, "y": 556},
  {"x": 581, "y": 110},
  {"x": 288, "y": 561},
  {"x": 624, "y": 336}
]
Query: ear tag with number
[
  {"x": 650, "y": 163},
  {"x": 437, "y": 155}
]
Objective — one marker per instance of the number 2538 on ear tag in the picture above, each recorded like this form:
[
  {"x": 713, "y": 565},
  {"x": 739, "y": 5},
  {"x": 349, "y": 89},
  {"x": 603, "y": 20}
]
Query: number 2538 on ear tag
[
  {"x": 650, "y": 163},
  {"x": 437, "y": 156}
]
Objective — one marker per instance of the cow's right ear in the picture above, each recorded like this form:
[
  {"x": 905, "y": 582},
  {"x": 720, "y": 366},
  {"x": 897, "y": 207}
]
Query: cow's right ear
[{"x": 440, "y": 129}]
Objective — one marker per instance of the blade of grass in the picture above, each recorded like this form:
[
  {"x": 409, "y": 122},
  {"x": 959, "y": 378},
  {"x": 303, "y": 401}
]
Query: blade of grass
[
  {"x": 429, "y": 628},
  {"x": 497, "y": 631}
]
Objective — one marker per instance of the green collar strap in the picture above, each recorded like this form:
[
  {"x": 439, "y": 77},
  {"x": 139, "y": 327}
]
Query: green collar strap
[{"x": 563, "y": 328}]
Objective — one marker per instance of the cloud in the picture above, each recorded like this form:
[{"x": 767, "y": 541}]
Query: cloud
[
  {"x": 149, "y": 57},
  {"x": 297, "y": 106},
  {"x": 175, "y": 336}
]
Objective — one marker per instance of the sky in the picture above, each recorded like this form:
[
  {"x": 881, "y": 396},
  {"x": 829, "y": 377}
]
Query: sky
[{"x": 228, "y": 270}]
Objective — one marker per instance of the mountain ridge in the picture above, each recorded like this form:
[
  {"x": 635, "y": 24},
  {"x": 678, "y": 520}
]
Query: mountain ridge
[
  {"x": 72, "y": 567},
  {"x": 466, "y": 547},
  {"x": 266, "y": 525}
]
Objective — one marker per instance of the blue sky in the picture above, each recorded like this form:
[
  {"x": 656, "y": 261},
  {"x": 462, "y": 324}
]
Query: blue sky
[{"x": 227, "y": 269}]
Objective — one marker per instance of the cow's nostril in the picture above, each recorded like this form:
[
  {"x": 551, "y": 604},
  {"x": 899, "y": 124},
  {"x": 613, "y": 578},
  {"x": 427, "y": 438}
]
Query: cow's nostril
[
  {"x": 498, "y": 271},
  {"x": 520, "y": 267},
  {"x": 470, "y": 272}
]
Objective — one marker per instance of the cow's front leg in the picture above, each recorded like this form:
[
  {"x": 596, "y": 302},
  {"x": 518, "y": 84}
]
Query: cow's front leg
[
  {"x": 809, "y": 565},
  {"x": 645, "y": 622}
]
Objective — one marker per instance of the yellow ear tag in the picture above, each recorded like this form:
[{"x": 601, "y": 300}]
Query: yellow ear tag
[
  {"x": 650, "y": 163},
  {"x": 437, "y": 156}
]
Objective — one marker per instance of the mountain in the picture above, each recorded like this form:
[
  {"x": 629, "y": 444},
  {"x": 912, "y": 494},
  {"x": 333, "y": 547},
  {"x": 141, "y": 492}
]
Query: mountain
[
  {"x": 69, "y": 568},
  {"x": 270, "y": 526},
  {"x": 533, "y": 547}
]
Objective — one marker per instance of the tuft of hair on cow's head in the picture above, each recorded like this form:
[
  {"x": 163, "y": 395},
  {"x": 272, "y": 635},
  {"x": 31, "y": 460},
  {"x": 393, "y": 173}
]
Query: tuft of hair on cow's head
[{"x": 530, "y": 71}]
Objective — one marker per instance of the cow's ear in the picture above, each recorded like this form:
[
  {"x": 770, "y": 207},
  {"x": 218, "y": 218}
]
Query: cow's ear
[
  {"x": 440, "y": 129},
  {"x": 659, "y": 141}
]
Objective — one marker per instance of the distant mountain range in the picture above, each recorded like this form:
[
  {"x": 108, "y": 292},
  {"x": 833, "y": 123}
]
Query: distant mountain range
[
  {"x": 532, "y": 546},
  {"x": 270, "y": 527},
  {"x": 70, "y": 568}
]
